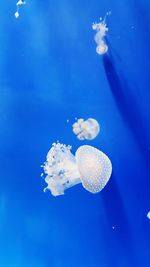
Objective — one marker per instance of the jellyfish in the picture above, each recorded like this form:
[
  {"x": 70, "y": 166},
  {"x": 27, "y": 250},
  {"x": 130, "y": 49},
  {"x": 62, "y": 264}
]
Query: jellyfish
[
  {"x": 89, "y": 167},
  {"x": 86, "y": 129},
  {"x": 18, "y": 4},
  {"x": 101, "y": 30}
]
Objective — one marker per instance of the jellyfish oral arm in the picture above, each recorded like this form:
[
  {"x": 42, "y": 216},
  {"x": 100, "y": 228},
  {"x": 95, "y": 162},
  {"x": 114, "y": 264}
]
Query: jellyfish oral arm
[
  {"x": 58, "y": 186},
  {"x": 60, "y": 169},
  {"x": 58, "y": 183}
]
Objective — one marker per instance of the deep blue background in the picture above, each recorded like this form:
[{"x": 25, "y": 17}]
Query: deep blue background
[{"x": 50, "y": 72}]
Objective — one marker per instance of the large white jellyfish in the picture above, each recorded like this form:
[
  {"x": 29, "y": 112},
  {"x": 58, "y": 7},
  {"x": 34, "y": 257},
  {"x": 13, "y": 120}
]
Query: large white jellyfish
[
  {"x": 86, "y": 129},
  {"x": 18, "y": 4},
  {"x": 90, "y": 167},
  {"x": 101, "y": 30}
]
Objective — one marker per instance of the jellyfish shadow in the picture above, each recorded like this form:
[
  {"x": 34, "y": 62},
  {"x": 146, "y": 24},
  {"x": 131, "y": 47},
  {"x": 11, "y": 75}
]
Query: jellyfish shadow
[
  {"x": 126, "y": 104},
  {"x": 117, "y": 218}
]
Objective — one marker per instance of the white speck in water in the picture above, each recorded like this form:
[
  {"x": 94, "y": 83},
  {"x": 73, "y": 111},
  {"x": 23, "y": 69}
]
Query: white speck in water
[
  {"x": 148, "y": 215},
  {"x": 16, "y": 14},
  {"x": 108, "y": 13}
]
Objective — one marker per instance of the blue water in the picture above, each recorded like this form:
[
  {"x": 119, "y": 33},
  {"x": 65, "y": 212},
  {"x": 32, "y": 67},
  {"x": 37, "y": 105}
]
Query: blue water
[{"x": 50, "y": 72}]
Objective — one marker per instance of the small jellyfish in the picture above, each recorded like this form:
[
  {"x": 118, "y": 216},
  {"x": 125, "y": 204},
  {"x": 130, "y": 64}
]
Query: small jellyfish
[
  {"x": 101, "y": 30},
  {"x": 90, "y": 167},
  {"x": 18, "y": 4},
  {"x": 86, "y": 129}
]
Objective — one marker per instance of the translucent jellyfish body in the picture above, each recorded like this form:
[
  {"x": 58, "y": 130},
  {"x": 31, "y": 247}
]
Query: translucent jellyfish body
[
  {"x": 90, "y": 167},
  {"x": 86, "y": 129},
  {"x": 101, "y": 30},
  {"x": 94, "y": 166}
]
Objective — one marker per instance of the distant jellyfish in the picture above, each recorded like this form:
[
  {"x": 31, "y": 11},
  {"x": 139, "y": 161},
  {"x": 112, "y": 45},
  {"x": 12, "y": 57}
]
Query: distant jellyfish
[
  {"x": 101, "y": 30},
  {"x": 18, "y": 4},
  {"x": 86, "y": 129},
  {"x": 90, "y": 167}
]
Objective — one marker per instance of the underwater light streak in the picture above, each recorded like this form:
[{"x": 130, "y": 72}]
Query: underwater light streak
[{"x": 124, "y": 101}]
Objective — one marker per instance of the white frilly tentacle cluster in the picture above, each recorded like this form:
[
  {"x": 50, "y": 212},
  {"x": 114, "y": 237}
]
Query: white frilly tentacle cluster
[{"x": 60, "y": 169}]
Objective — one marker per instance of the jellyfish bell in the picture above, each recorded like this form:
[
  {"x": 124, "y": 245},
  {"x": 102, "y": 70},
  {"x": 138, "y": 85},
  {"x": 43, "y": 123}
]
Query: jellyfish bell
[
  {"x": 94, "y": 166},
  {"x": 89, "y": 166},
  {"x": 101, "y": 49}
]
